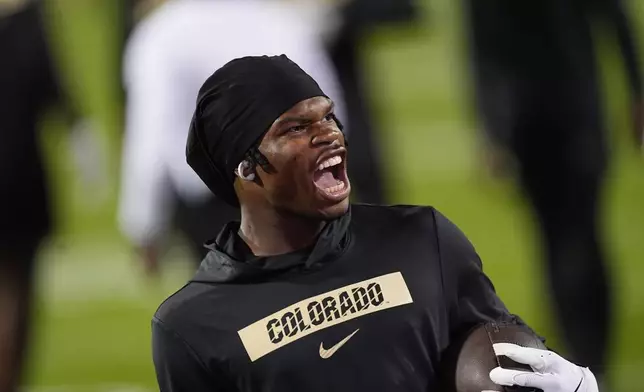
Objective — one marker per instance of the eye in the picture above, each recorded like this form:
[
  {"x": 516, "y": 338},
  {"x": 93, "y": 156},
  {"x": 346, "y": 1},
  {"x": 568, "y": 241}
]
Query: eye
[
  {"x": 329, "y": 117},
  {"x": 297, "y": 128}
]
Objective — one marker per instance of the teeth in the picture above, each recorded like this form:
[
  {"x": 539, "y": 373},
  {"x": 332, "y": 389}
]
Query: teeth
[
  {"x": 336, "y": 188},
  {"x": 336, "y": 160}
]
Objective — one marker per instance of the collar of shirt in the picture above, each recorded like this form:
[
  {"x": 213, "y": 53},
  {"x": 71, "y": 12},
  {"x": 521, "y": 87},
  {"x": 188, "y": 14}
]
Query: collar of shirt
[{"x": 230, "y": 258}]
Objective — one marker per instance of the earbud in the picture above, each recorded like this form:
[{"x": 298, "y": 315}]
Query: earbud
[{"x": 243, "y": 165}]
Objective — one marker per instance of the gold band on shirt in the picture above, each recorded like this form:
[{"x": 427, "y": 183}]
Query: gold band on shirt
[{"x": 322, "y": 311}]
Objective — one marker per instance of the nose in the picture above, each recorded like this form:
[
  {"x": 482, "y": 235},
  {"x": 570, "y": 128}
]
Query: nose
[{"x": 326, "y": 134}]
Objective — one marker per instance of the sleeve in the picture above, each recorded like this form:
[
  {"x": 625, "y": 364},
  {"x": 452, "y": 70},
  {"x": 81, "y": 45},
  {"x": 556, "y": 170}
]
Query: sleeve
[
  {"x": 177, "y": 366},
  {"x": 144, "y": 202},
  {"x": 470, "y": 295}
]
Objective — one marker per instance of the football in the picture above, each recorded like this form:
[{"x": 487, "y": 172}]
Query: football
[{"x": 469, "y": 361}]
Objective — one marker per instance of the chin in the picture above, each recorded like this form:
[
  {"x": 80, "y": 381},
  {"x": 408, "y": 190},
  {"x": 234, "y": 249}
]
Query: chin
[
  {"x": 313, "y": 209},
  {"x": 335, "y": 211}
]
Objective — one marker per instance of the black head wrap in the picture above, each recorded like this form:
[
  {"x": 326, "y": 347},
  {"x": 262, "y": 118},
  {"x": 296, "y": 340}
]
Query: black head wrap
[{"x": 235, "y": 108}]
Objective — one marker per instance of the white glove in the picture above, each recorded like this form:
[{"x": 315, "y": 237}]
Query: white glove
[{"x": 552, "y": 373}]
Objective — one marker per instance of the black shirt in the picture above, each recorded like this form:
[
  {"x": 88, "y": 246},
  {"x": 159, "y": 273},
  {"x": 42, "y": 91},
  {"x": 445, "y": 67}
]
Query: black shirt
[
  {"x": 536, "y": 79},
  {"x": 547, "y": 43},
  {"x": 373, "y": 305},
  {"x": 28, "y": 86}
]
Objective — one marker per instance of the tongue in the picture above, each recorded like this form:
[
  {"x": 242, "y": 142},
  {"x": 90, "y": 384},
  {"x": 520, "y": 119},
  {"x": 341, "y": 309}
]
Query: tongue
[{"x": 324, "y": 179}]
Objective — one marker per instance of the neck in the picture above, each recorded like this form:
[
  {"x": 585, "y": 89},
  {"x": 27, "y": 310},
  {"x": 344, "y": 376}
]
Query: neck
[{"x": 269, "y": 232}]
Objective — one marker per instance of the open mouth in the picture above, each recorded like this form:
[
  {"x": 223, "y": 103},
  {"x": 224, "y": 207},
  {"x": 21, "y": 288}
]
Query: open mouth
[{"x": 330, "y": 178}]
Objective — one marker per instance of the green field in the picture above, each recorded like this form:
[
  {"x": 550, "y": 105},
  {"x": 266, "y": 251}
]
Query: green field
[{"x": 94, "y": 307}]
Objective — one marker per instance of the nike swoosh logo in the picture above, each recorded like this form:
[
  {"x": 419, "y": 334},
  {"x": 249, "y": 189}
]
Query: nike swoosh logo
[{"x": 326, "y": 354}]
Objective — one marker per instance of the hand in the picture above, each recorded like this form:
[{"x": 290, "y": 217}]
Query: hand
[
  {"x": 150, "y": 257},
  {"x": 552, "y": 373}
]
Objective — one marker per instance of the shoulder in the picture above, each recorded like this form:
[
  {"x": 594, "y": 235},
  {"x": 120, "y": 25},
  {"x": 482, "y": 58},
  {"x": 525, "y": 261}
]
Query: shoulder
[
  {"x": 399, "y": 218},
  {"x": 388, "y": 214},
  {"x": 405, "y": 219},
  {"x": 181, "y": 311},
  {"x": 450, "y": 236}
]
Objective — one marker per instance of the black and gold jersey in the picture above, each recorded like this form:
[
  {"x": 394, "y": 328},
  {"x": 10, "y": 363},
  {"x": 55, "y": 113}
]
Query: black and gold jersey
[{"x": 371, "y": 306}]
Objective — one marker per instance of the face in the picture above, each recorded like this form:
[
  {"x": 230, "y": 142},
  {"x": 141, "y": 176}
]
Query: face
[{"x": 307, "y": 154}]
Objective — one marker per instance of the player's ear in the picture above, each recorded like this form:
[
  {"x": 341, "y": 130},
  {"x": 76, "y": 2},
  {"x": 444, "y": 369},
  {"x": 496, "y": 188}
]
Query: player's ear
[{"x": 245, "y": 171}]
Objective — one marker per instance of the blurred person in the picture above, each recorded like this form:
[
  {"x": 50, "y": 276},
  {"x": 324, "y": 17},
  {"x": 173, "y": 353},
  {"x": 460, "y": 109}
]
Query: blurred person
[
  {"x": 29, "y": 85},
  {"x": 538, "y": 93},
  {"x": 133, "y": 11},
  {"x": 169, "y": 54},
  {"x": 389, "y": 286},
  {"x": 357, "y": 18},
  {"x": 129, "y": 13}
]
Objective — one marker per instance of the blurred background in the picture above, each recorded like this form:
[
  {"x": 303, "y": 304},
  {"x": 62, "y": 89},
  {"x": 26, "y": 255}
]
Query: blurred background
[{"x": 94, "y": 292}]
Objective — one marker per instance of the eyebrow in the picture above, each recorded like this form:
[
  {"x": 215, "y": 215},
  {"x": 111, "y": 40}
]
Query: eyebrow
[{"x": 303, "y": 120}]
